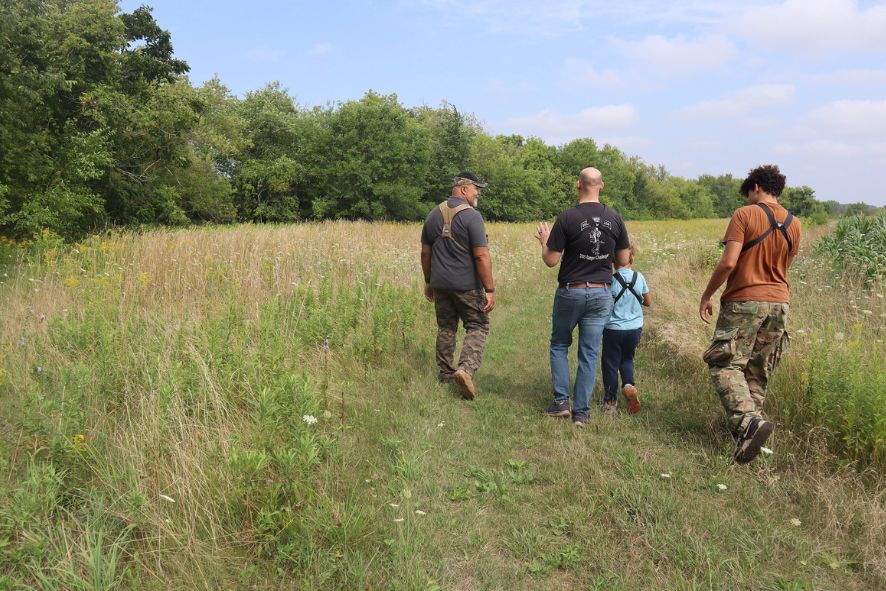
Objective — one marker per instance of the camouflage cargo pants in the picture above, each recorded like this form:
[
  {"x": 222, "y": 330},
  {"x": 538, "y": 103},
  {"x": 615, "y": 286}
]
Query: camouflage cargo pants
[
  {"x": 467, "y": 306},
  {"x": 747, "y": 344}
]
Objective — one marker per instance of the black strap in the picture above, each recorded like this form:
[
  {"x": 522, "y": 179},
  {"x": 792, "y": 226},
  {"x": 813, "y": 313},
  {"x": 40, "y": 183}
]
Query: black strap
[
  {"x": 626, "y": 286},
  {"x": 773, "y": 225}
]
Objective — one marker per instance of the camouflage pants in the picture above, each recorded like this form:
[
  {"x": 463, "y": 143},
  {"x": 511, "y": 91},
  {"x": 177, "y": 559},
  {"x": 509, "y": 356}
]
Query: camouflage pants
[
  {"x": 467, "y": 306},
  {"x": 747, "y": 344}
]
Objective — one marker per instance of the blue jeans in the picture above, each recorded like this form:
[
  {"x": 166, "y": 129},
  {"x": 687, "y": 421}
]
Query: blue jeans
[
  {"x": 589, "y": 308},
  {"x": 618, "y": 357}
]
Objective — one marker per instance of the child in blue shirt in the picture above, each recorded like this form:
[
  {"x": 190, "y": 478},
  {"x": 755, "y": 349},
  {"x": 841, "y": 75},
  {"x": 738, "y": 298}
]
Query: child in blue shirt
[{"x": 621, "y": 335}]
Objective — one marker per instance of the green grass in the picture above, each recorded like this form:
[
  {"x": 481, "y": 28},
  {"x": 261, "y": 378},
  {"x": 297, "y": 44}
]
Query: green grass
[{"x": 162, "y": 444}]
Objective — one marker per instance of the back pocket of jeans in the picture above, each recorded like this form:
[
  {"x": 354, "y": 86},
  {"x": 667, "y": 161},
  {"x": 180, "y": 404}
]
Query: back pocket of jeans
[{"x": 722, "y": 347}]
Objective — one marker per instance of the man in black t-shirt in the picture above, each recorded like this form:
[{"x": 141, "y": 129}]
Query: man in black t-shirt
[
  {"x": 584, "y": 240},
  {"x": 458, "y": 279}
]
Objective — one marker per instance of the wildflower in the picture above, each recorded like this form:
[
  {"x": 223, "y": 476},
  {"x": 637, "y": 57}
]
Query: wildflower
[
  {"x": 79, "y": 437},
  {"x": 394, "y": 505},
  {"x": 22, "y": 341},
  {"x": 665, "y": 475},
  {"x": 795, "y": 522},
  {"x": 31, "y": 310},
  {"x": 766, "y": 451},
  {"x": 269, "y": 481},
  {"x": 42, "y": 318},
  {"x": 420, "y": 512},
  {"x": 327, "y": 414},
  {"x": 801, "y": 331},
  {"x": 839, "y": 336},
  {"x": 167, "y": 498},
  {"x": 41, "y": 397},
  {"x": 440, "y": 424},
  {"x": 866, "y": 312},
  {"x": 722, "y": 487},
  {"x": 398, "y": 520},
  {"x": 309, "y": 419},
  {"x": 326, "y": 343}
]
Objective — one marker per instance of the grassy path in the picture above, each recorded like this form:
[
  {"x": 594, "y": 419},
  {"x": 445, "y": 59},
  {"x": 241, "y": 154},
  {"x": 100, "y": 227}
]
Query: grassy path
[{"x": 510, "y": 499}]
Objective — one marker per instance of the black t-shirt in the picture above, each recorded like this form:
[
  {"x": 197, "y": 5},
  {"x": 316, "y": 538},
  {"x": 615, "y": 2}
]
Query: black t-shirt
[{"x": 588, "y": 236}]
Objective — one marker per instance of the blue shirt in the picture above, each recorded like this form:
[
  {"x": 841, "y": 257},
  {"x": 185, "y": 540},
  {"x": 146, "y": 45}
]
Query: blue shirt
[{"x": 627, "y": 313}]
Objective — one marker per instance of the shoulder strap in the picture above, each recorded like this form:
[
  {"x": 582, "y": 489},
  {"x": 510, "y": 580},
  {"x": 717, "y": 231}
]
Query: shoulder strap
[
  {"x": 773, "y": 225},
  {"x": 449, "y": 214},
  {"x": 626, "y": 287}
]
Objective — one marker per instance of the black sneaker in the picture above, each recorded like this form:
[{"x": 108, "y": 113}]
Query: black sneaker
[
  {"x": 752, "y": 440},
  {"x": 558, "y": 409},
  {"x": 580, "y": 419}
]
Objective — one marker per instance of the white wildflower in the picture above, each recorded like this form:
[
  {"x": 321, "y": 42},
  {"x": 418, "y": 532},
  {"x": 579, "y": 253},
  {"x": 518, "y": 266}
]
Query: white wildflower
[
  {"x": 398, "y": 520},
  {"x": 420, "y": 512},
  {"x": 167, "y": 498},
  {"x": 665, "y": 475},
  {"x": 867, "y": 312},
  {"x": 722, "y": 487},
  {"x": 394, "y": 505},
  {"x": 766, "y": 451},
  {"x": 796, "y": 522},
  {"x": 839, "y": 336},
  {"x": 440, "y": 424},
  {"x": 309, "y": 419}
]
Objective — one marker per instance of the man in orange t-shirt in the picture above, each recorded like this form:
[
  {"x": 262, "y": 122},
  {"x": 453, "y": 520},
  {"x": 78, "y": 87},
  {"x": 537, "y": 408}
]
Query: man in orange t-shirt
[{"x": 761, "y": 242}]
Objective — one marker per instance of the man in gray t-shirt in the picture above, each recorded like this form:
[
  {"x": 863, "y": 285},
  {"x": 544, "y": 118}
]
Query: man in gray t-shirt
[{"x": 458, "y": 279}]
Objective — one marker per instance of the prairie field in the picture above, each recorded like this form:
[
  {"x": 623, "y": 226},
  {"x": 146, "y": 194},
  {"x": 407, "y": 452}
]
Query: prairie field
[{"x": 256, "y": 407}]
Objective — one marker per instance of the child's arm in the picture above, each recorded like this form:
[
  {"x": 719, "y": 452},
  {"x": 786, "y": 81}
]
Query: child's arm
[{"x": 647, "y": 300}]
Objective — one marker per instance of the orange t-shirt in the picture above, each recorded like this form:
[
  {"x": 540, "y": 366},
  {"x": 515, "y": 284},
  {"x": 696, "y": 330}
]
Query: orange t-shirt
[{"x": 761, "y": 272}]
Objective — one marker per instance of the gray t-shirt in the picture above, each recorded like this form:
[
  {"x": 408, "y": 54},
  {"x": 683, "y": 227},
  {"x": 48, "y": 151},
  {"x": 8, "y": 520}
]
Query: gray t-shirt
[{"x": 452, "y": 267}]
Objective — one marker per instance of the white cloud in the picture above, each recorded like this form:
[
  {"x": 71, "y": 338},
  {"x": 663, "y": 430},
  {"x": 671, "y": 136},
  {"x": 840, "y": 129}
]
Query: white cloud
[
  {"x": 263, "y": 55},
  {"x": 851, "y": 118},
  {"x": 591, "y": 122},
  {"x": 740, "y": 103},
  {"x": 680, "y": 54},
  {"x": 817, "y": 26},
  {"x": 585, "y": 73},
  {"x": 850, "y": 77},
  {"x": 321, "y": 49}
]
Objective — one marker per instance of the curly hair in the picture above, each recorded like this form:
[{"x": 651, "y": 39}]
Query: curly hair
[{"x": 769, "y": 178}]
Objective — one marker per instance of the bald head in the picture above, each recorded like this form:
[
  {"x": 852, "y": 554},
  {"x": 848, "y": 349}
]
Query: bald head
[{"x": 590, "y": 176}]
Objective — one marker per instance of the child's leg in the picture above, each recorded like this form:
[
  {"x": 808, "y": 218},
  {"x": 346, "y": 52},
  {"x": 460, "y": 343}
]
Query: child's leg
[
  {"x": 610, "y": 360},
  {"x": 629, "y": 341}
]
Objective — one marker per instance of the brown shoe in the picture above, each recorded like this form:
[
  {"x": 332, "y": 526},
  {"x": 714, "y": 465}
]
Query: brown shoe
[
  {"x": 465, "y": 383},
  {"x": 633, "y": 397}
]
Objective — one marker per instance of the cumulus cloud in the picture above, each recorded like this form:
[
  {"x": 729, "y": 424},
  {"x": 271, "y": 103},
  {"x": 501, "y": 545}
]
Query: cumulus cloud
[
  {"x": 815, "y": 25},
  {"x": 740, "y": 103},
  {"x": 851, "y": 118},
  {"x": 680, "y": 54},
  {"x": 591, "y": 122},
  {"x": 850, "y": 77},
  {"x": 585, "y": 73}
]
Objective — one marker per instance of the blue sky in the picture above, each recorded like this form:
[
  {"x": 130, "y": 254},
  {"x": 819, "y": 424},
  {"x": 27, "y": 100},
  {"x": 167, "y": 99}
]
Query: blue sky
[{"x": 697, "y": 86}]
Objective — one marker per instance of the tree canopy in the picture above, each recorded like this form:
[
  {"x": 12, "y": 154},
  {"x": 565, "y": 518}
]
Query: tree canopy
[{"x": 100, "y": 126}]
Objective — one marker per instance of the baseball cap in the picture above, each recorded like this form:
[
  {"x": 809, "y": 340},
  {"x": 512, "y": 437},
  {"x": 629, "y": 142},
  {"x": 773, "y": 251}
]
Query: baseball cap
[{"x": 466, "y": 177}]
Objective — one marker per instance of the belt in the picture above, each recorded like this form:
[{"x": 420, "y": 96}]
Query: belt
[{"x": 583, "y": 284}]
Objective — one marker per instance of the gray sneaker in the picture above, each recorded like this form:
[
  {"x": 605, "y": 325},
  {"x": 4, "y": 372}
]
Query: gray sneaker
[
  {"x": 753, "y": 438},
  {"x": 580, "y": 419},
  {"x": 558, "y": 409},
  {"x": 610, "y": 407}
]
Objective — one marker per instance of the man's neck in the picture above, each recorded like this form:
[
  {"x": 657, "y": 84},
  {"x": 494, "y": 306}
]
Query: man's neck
[{"x": 589, "y": 198}]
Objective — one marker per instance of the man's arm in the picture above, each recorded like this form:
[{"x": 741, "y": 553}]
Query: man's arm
[
  {"x": 721, "y": 273},
  {"x": 426, "y": 270},
  {"x": 550, "y": 257},
  {"x": 483, "y": 263}
]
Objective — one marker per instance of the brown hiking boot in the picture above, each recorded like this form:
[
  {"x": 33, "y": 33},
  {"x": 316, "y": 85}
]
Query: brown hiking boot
[
  {"x": 633, "y": 397},
  {"x": 465, "y": 383}
]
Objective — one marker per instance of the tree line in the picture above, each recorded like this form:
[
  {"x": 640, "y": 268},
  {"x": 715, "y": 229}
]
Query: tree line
[{"x": 100, "y": 126}]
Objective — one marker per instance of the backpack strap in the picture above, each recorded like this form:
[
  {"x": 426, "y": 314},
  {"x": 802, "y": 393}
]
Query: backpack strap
[
  {"x": 626, "y": 286},
  {"x": 449, "y": 214},
  {"x": 773, "y": 225}
]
